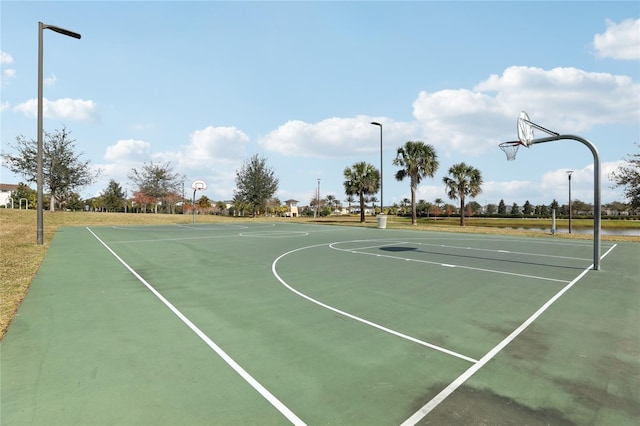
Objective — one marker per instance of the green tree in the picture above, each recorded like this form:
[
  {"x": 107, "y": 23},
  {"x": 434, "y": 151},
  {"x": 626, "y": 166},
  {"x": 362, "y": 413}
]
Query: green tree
[
  {"x": 527, "y": 209},
  {"x": 515, "y": 209},
  {"x": 616, "y": 208},
  {"x": 157, "y": 182},
  {"x": 22, "y": 193},
  {"x": 463, "y": 181},
  {"x": 256, "y": 183},
  {"x": 555, "y": 206},
  {"x": 62, "y": 169},
  {"x": 361, "y": 180},
  {"x": 113, "y": 197},
  {"x": 544, "y": 211},
  {"x": 350, "y": 199},
  {"x": 491, "y": 209},
  {"x": 373, "y": 200},
  {"x": 240, "y": 206},
  {"x": 418, "y": 160},
  {"x": 627, "y": 176},
  {"x": 474, "y": 207},
  {"x": 221, "y": 206},
  {"x": 330, "y": 201},
  {"x": 502, "y": 208},
  {"x": 581, "y": 207},
  {"x": 74, "y": 202}
]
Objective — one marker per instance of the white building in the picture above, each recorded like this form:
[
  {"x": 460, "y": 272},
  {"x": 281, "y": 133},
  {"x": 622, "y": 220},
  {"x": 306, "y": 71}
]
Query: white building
[{"x": 6, "y": 189}]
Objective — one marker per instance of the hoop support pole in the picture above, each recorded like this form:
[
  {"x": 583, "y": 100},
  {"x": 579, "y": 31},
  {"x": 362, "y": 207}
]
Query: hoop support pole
[
  {"x": 539, "y": 127},
  {"x": 597, "y": 208}
]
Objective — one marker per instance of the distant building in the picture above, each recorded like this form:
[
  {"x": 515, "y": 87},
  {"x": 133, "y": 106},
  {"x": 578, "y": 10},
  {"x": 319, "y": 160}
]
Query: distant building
[
  {"x": 292, "y": 205},
  {"x": 6, "y": 190}
]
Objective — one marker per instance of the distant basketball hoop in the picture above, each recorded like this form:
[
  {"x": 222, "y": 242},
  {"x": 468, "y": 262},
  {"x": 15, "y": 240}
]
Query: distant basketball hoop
[{"x": 197, "y": 185}]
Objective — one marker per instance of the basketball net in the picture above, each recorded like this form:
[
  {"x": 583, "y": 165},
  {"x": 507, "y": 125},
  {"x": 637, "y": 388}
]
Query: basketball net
[{"x": 510, "y": 149}]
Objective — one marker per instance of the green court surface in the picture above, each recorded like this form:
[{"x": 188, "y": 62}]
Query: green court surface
[{"x": 279, "y": 323}]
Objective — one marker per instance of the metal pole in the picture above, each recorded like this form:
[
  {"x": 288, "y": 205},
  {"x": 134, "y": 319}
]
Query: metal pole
[
  {"x": 597, "y": 208},
  {"x": 318, "y": 200},
  {"x": 194, "y": 206},
  {"x": 39, "y": 178},
  {"x": 569, "y": 173},
  {"x": 39, "y": 214},
  {"x": 375, "y": 123}
]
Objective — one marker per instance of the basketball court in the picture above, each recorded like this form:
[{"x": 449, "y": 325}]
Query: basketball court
[{"x": 279, "y": 323}]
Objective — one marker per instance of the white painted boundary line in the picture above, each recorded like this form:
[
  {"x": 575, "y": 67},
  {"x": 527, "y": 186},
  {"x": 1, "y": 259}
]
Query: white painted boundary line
[
  {"x": 357, "y": 318},
  {"x": 429, "y": 406},
  {"x": 233, "y": 364}
]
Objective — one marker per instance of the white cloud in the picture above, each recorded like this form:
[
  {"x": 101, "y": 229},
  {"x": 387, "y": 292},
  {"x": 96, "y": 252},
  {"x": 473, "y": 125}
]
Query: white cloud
[
  {"x": 474, "y": 121},
  {"x": 619, "y": 41},
  {"x": 7, "y": 73},
  {"x": 463, "y": 121},
  {"x": 564, "y": 97},
  {"x": 5, "y": 58},
  {"x": 66, "y": 109},
  {"x": 50, "y": 81},
  {"x": 4, "y": 106},
  {"x": 216, "y": 144},
  {"x": 335, "y": 137},
  {"x": 128, "y": 150}
]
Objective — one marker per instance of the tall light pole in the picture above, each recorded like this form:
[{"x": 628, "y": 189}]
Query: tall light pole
[
  {"x": 375, "y": 123},
  {"x": 569, "y": 172},
  {"x": 41, "y": 28},
  {"x": 318, "y": 199}
]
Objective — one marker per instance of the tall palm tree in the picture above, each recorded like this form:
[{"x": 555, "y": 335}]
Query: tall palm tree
[
  {"x": 463, "y": 181},
  {"x": 361, "y": 179},
  {"x": 419, "y": 160}
]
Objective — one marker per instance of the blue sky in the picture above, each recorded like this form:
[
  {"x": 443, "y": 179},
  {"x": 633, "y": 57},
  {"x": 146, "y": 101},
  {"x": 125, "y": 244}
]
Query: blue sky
[{"x": 206, "y": 85}]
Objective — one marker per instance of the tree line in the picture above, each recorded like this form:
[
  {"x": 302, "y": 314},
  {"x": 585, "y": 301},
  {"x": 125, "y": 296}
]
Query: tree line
[{"x": 158, "y": 188}]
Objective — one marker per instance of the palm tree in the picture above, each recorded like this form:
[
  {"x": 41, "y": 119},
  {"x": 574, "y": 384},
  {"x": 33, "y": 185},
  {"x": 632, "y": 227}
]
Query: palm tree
[
  {"x": 337, "y": 205},
  {"x": 419, "y": 160},
  {"x": 361, "y": 179},
  {"x": 439, "y": 203},
  {"x": 463, "y": 181},
  {"x": 350, "y": 200},
  {"x": 330, "y": 200},
  {"x": 373, "y": 200}
]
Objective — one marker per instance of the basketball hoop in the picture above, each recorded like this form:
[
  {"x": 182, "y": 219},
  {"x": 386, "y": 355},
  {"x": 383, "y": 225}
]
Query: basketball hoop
[
  {"x": 511, "y": 149},
  {"x": 525, "y": 137},
  {"x": 198, "y": 184},
  {"x": 525, "y": 129}
]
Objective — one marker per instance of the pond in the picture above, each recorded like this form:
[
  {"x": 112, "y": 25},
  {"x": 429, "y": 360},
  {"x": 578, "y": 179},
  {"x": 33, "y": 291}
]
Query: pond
[{"x": 628, "y": 232}]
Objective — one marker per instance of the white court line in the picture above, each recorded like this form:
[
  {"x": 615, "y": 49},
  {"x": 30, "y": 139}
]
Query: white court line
[
  {"x": 448, "y": 265},
  {"x": 357, "y": 318},
  {"x": 429, "y": 406},
  {"x": 233, "y": 364}
]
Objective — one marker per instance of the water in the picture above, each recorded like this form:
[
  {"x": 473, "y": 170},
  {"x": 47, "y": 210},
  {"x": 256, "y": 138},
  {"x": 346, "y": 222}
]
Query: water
[{"x": 628, "y": 232}]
